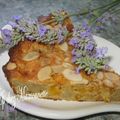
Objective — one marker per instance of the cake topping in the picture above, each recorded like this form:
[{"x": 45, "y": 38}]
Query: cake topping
[
  {"x": 32, "y": 30},
  {"x": 31, "y": 56},
  {"x": 68, "y": 65},
  {"x": 111, "y": 76},
  {"x": 85, "y": 52},
  {"x": 74, "y": 77},
  {"x": 44, "y": 73},
  {"x": 100, "y": 75},
  {"x": 111, "y": 79},
  {"x": 11, "y": 66},
  {"x": 57, "y": 68},
  {"x": 64, "y": 47},
  {"x": 108, "y": 83}
]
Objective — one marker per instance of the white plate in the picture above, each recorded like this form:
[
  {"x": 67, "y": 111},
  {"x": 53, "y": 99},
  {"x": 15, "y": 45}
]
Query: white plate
[{"x": 61, "y": 109}]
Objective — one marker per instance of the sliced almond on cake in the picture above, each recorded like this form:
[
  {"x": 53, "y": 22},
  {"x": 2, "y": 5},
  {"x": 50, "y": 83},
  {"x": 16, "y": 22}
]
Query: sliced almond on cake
[
  {"x": 74, "y": 77},
  {"x": 11, "y": 66},
  {"x": 68, "y": 65},
  {"x": 57, "y": 68},
  {"x": 108, "y": 83},
  {"x": 111, "y": 79},
  {"x": 67, "y": 59},
  {"x": 100, "y": 75},
  {"x": 31, "y": 56},
  {"x": 44, "y": 73},
  {"x": 64, "y": 47}
]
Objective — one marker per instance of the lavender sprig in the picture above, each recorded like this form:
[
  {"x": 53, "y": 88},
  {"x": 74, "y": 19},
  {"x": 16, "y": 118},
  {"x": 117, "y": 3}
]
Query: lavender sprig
[
  {"x": 85, "y": 53},
  {"x": 33, "y": 31},
  {"x": 59, "y": 17}
]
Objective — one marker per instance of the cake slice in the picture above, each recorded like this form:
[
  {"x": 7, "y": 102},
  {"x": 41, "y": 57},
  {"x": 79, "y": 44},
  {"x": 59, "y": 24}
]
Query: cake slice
[{"x": 38, "y": 67}]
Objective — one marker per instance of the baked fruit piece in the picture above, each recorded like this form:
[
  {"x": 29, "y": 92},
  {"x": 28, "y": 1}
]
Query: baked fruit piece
[{"x": 39, "y": 67}]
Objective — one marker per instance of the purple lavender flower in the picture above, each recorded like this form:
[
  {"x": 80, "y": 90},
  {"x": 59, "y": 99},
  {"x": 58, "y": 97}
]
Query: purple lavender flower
[
  {"x": 100, "y": 23},
  {"x": 7, "y": 40},
  {"x": 84, "y": 34},
  {"x": 78, "y": 70},
  {"x": 106, "y": 67},
  {"x": 30, "y": 37},
  {"x": 60, "y": 36},
  {"x": 52, "y": 42},
  {"x": 60, "y": 39},
  {"x": 104, "y": 50},
  {"x": 78, "y": 54},
  {"x": 31, "y": 22},
  {"x": 90, "y": 15},
  {"x": 73, "y": 41},
  {"x": 86, "y": 31},
  {"x": 42, "y": 30},
  {"x": 74, "y": 58},
  {"x": 22, "y": 29},
  {"x": 13, "y": 24},
  {"x": 101, "y": 20},
  {"x": 84, "y": 25},
  {"x": 6, "y": 34},
  {"x": 98, "y": 28},
  {"x": 100, "y": 52},
  {"x": 89, "y": 46},
  {"x": 17, "y": 17},
  {"x": 73, "y": 52}
]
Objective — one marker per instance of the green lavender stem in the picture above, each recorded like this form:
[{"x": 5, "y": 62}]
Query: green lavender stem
[
  {"x": 104, "y": 11},
  {"x": 87, "y": 12},
  {"x": 105, "y": 8}
]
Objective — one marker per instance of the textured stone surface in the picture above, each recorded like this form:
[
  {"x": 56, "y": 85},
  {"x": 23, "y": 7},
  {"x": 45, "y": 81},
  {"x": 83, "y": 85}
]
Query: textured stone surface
[{"x": 34, "y": 8}]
